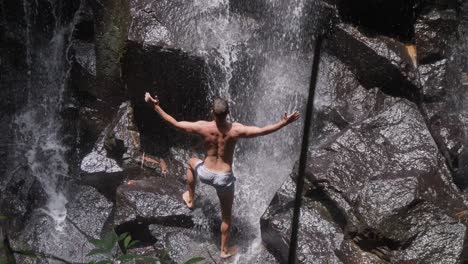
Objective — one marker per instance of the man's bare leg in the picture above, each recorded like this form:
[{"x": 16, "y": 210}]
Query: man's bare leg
[
  {"x": 226, "y": 199},
  {"x": 189, "y": 195}
]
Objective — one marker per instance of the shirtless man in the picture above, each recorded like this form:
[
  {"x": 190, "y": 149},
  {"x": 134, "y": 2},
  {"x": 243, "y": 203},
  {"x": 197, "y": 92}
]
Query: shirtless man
[{"x": 220, "y": 137}]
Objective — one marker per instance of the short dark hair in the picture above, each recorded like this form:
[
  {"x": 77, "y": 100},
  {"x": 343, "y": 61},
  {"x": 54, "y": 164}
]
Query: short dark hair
[{"x": 220, "y": 107}]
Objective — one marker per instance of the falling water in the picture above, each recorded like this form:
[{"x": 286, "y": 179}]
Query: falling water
[
  {"x": 259, "y": 54},
  {"x": 39, "y": 125}
]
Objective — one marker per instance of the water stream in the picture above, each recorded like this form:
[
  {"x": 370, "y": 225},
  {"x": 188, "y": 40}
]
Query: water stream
[
  {"x": 260, "y": 56},
  {"x": 38, "y": 134}
]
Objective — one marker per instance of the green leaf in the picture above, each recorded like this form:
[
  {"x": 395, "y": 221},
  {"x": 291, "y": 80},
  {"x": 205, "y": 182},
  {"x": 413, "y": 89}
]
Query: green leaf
[
  {"x": 3, "y": 218},
  {"x": 148, "y": 259},
  {"x": 105, "y": 261},
  {"x": 98, "y": 251},
  {"x": 128, "y": 257},
  {"x": 123, "y": 236},
  {"x": 132, "y": 243},
  {"x": 194, "y": 260},
  {"x": 110, "y": 240},
  {"x": 98, "y": 243},
  {"x": 165, "y": 253},
  {"x": 127, "y": 241}
]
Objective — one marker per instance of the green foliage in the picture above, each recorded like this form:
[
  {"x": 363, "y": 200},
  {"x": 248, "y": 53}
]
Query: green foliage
[
  {"x": 105, "y": 248},
  {"x": 3, "y": 218},
  {"x": 194, "y": 260}
]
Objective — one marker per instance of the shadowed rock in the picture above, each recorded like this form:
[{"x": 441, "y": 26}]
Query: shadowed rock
[{"x": 40, "y": 237}]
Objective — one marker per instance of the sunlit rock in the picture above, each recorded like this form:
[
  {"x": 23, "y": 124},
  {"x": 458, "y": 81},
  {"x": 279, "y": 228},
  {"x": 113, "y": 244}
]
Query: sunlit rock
[
  {"x": 117, "y": 147},
  {"x": 377, "y": 61},
  {"x": 157, "y": 200},
  {"x": 378, "y": 160},
  {"x": 319, "y": 235}
]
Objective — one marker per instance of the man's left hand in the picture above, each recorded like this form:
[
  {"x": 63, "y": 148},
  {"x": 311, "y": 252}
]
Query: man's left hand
[{"x": 148, "y": 98}]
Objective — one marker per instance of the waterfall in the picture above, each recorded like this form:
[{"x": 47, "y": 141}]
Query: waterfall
[
  {"x": 260, "y": 55},
  {"x": 38, "y": 128}
]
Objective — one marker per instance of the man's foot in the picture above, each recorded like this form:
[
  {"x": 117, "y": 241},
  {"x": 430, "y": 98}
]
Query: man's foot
[
  {"x": 188, "y": 201},
  {"x": 229, "y": 252}
]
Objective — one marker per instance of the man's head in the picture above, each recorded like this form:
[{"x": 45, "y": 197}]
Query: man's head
[{"x": 220, "y": 108}]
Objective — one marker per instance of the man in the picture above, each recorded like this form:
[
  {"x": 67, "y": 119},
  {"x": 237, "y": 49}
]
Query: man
[{"x": 220, "y": 137}]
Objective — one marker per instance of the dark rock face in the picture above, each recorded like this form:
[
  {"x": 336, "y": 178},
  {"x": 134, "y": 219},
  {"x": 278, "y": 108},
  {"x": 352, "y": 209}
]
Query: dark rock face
[
  {"x": 377, "y": 61},
  {"x": 179, "y": 81},
  {"x": 392, "y": 18}
]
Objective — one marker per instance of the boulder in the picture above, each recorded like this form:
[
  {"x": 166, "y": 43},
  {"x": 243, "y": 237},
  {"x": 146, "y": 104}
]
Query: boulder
[
  {"x": 382, "y": 62},
  {"x": 42, "y": 238},
  {"x": 88, "y": 210},
  {"x": 321, "y": 238},
  {"x": 378, "y": 148},
  {"x": 434, "y": 237},
  {"x": 116, "y": 150},
  {"x": 158, "y": 200},
  {"x": 433, "y": 32},
  {"x": 376, "y": 161},
  {"x": 340, "y": 100}
]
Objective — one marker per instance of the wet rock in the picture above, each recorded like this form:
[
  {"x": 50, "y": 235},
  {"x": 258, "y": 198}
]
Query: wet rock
[
  {"x": 340, "y": 100},
  {"x": 146, "y": 27},
  {"x": 19, "y": 196},
  {"x": 177, "y": 240},
  {"x": 157, "y": 200},
  {"x": 375, "y": 161},
  {"x": 276, "y": 222},
  {"x": 433, "y": 32},
  {"x": 433, "y": 80},
  {"x": 380, "y": 148},
  {"x": 88, "y": 210},
  {"x": 372, "y": 204},
  {"x": 349, "y": 252},
  {"x": 43, "y": 237},
  {"x": 435, "y": 236},
  {"x": 319, "y": 234},
  {"x": 377, "y": 61},
  {"x": 117, "y": 148}
]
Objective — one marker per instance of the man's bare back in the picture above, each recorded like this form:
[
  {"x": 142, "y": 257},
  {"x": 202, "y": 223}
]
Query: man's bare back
[{"x": 220, "y": 137}]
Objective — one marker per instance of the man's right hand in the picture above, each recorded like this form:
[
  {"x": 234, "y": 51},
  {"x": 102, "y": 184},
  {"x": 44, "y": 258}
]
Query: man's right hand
[
  {"x": 148, "y": 98},
  {"x": 291, "y": 118}
]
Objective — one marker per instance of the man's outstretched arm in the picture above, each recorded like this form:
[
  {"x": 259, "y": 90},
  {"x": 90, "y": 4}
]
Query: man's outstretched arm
[
  {"x": 253, "y": 131},
  {"x": 188, "y": 127}
]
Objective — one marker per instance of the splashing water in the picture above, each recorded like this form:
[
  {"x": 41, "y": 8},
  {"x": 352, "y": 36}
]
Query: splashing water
[
  {"x": 39, "y": 125},
  {"x": 259, "y": 59}
]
